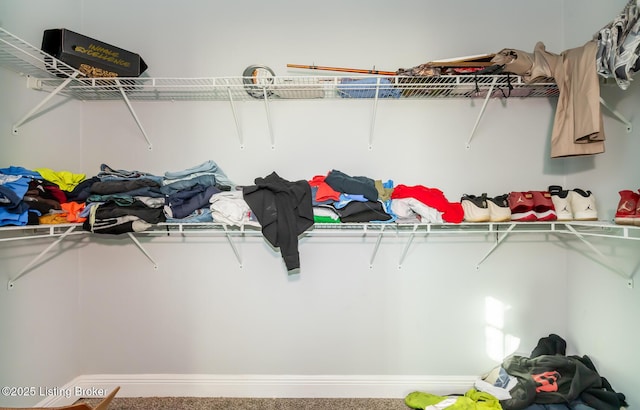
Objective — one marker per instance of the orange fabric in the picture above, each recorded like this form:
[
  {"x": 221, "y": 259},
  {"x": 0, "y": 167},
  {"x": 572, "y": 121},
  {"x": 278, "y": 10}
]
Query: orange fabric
[
  {"x": 51, "y": 219},
  {"x": 73, "y": 210},
  {"x": 547, "y": 381},
  {"x": 324, "y": 192}
]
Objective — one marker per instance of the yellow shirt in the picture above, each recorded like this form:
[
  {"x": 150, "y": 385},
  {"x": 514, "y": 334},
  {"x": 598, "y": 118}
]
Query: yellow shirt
[{"x": 65, "y": 180}]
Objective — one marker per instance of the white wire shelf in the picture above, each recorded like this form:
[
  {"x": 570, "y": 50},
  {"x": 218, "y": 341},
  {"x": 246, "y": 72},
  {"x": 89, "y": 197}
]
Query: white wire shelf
[
  {"x": 596, "y": 228},
  {"x": 296, "y": 87},
  {"x": 21, "y": 57},
  {"x": 406, "y": 232},
  {"x": 48, "y": 74}
]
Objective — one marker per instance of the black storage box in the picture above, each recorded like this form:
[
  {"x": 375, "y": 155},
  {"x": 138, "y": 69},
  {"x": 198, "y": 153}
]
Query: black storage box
[{"x": 91, "y": 57}]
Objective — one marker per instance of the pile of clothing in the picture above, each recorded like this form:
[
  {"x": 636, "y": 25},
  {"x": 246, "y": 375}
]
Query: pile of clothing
[
  {"x": 338, "y": 197},
  {"x": 39, "y": 196},
  {"x": 285, "y": 209},
  {"x": 547, "y": 380},
  {"x": 117, "y": 201},
  {"x": 114, "y": 201},
  {"x": 122, "y": 201}
]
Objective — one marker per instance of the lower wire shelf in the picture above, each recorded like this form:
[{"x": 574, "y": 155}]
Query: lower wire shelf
[{"x": 501, "y": 230}]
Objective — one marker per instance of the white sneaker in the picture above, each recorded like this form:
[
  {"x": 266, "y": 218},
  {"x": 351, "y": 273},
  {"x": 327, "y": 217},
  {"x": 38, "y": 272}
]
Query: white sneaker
[
  {"x": 561, "y": 202},
  {"x": 475, "y": 208},
  {"x": 499, "y": 210},
  {"x": 583, "y": 205}
]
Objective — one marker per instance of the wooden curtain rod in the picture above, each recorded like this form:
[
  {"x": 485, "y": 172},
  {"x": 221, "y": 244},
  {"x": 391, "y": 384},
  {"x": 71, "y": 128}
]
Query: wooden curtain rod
[{"x": 341, "y": 69}]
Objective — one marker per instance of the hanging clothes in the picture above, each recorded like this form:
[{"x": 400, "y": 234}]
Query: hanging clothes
[
  {"x": 578, "y": 126},
  {"x": 284, "y": 210},
  {"x": 619, "y": 46}
]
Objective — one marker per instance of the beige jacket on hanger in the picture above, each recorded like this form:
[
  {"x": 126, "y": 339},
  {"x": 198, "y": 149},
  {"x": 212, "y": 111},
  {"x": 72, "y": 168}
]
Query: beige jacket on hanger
[{"x": 578, "y": 126}]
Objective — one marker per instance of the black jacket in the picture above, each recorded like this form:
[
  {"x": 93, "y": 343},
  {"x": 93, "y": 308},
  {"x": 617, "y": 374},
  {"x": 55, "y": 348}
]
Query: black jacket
[
  {"x": 284, "y": 210},
  {"x": 549, "y": 376}
]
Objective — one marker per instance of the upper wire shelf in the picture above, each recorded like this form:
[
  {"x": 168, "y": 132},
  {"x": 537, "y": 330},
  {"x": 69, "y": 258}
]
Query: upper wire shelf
[
  {"x": 297, "y": 87},
  {"x": 21, "y": 57},
  {"x": 48, "y": 74}
]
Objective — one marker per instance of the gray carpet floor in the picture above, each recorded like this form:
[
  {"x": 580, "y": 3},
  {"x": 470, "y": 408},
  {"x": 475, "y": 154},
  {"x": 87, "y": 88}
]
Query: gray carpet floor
[{"x": 222, "y": 403}]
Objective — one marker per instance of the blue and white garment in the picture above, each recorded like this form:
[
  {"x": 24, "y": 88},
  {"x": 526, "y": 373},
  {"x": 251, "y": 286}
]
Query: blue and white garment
[
  {"x": 619, "y": 46},
  {"x": 368, "y": 88},
  {"x": 13, "y": 187},
  {"x": 206, "y": 169}
]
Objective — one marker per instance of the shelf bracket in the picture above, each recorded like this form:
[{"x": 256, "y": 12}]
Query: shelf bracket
[
  {"x": 144, "y": 251},
  {"x": 617, "y": 114},
  {"x": 26, "y": 269},
  {"x": 408, "y": 244},
  {"x": 495, "y": 245},
  {"x": 266, "y": 107},
  {"x": 376, "y": 246},
  {"x": 373, "y": 113},
  {"x": 481, "y": 114},
  {"x": 37, "y": 108},
  {"x": 233, "y": 245},
  {"x": 133, "y": 113},
  {"x": 235, "y": 118},
  {"x": 610, "y": 263}
]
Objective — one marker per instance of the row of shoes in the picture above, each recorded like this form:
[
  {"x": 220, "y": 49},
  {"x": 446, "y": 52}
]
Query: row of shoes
[
  {"x": 481, "y": 208},
  {"x": 628, "y": 211},
  {"x": 529, "y": 206}
]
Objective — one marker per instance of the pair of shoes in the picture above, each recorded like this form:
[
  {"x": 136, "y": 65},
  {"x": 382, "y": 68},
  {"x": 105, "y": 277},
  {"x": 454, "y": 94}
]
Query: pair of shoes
[
  {"x": 576, "y": 204},
  {"x": 531, "y": 206},
  {"x": 484, "y": 209},
  {"x": 628, "y": 212}
]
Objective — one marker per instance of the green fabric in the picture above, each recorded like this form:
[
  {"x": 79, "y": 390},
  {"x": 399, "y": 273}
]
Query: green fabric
[
  {"x": 325, "y": 219},
  {"x": 472, "y": 400},
  {"x": 483, "y": 400},
  {"x": 384, "y": 194},
  {"x": 420, "y": 400}
]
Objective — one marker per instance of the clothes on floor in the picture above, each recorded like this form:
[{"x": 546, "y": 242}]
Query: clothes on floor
[
  {"x": 471, "y": 400},
  {"x": 548, "y": 377},
  {"x": 548, "y": 380}
]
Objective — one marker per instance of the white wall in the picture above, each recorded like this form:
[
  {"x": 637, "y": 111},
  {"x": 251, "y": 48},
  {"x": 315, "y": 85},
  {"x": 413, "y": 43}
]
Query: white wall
[
  {"x": 200, "y": 312},
  {"x": 40, "y": 317}
]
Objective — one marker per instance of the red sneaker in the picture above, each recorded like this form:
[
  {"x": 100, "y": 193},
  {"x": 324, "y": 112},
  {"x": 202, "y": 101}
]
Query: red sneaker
[
  {"x": 627, "y": 212},
  {"x": 521, "y": 205},
  {"x": 543, "y": 206},
  {"x": 637, "y": 220}
]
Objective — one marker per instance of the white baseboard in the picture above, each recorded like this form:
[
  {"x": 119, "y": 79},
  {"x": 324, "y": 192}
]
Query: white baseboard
[{"x": 293, "y": 386}]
